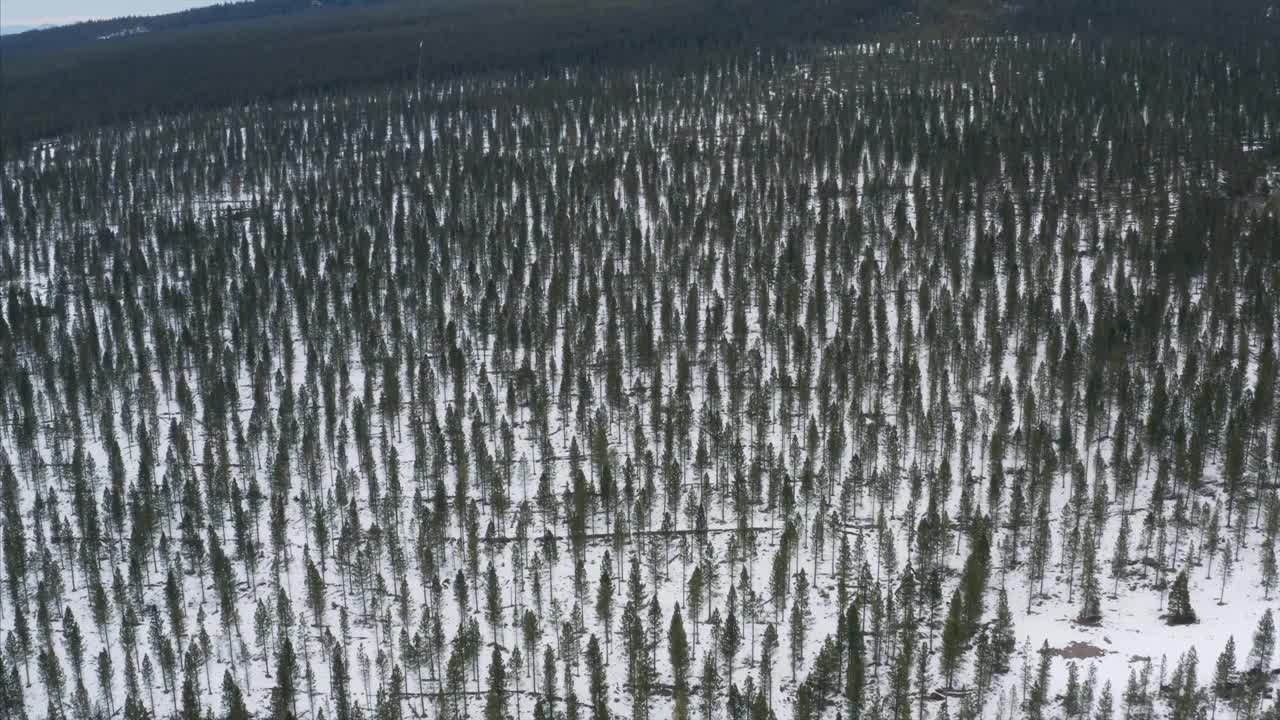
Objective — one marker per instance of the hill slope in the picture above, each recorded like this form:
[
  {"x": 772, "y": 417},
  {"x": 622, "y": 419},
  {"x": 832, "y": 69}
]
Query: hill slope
[{"x": 61, "y": 80}]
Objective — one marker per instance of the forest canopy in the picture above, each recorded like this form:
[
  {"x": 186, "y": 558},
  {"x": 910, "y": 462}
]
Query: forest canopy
[
  {"x": 98, "y": 73},
  {"x": 898, "y": 379},
  {"x": 638, "y": 367}
]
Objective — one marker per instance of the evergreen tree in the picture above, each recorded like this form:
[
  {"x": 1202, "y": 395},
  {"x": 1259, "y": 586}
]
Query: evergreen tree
[
  {"x": 1264, "y": 643},
  {"x": 493, "y": 601},
  {"x": 855, "y": 681},
  {"x": 285, "y": 693},
  {"x": 549, "y": 677},
  {"x": 1228, "y": 567},
  {"x": 339, "y": 685},
  {"x": 1090, "y": 597},
  {"x": 1105, "y": 707},
  {"x": 495, "y": 703},
  {"x": 1184, "y": 688},
  {"x": 730, "y": 639},
  {"x": 106, "y": 676},
  {"x": 710, "y": 687},
  {"x": 1180, "y": 611},
  {"x": 900, "y": 678},
  {"x": 134, "y": 710},
  {"x": 678, "y": 649},
  {"x": 769, "y": 645},
  {"x": 953, "y": 638},
  {"x": 1224, "y": 675},
  {"x": 11, "y": 695},
  {"x": 51, "y": 673},
  {"x": 1003, "y": 640},
  {"x": 598, "y": 681},
  {"x": 1038, "y": 695},
  {"x": 798, "y": 625},
  {"x": 604, "y": 598},
  {"x": 315, "y": 591}
]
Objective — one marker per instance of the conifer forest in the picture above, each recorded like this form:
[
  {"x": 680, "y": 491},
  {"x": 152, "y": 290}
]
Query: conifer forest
[{"x": 913, "y": 378}]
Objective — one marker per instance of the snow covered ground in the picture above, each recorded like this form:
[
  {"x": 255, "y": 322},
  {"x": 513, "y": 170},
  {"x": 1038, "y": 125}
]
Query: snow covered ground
[{"x": 496, "y": 149}]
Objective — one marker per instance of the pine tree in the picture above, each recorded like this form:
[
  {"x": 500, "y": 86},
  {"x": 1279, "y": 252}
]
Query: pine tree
[
  {"x": 1039, "y": 693},
  {"x": 730, "y": 639},
  {"x": 1003, "y": 640},
  {"x": 1090, "y": 597},
  {"x": 461, "y": 594},
  {"x": 339, "y": 685},
  {"x": 799, "y": 622},
  {"x": 549, "y": 677},
  {"x": 1105, "y": 703},
  {"x": 285, "y": 694},
  {"x": 516, "y": 663},
  {"x": 134, "y": 710},
  {"x": 1180, "y": 611},
  {"x": 855, "y": 672},
  {"x": 74, "y": 642},
  {"x": 1040, "y": 553},
  {"x": 1184, "y": 688},
  {"x": 51, "y": 673},
  {"x": 923, "y": 676},
  {"x": 1264, "y": 643},
  {"x": 1134, "y": 694},
  {"x": 1212, "y": 535},
  {"x": 735, "y": 708},
  {"x": 11, "y": 695},
  {"x": 953, "y": 637},
  {"x": 769, "y": 645},
  {"x": 493, "y": 601},
  {"x": 1071, "y": 696},
  {"x": 1224, "y": 674},
  {"x": 900, "y": 679},
  {"x": 531, "y": 631},
  {"x": 974, "y": 578},
  {"x": 983, "y": 666},
  {"x": 105, "y": 677},
  {"x": 1228, "y": 565},
  {"x": 315, "y": 591},
  {"x": 710, "y": 689},
  {"x": 1269, "y": 571},
  {"x": 456, "y": 677},
  {"x": 598, "y": 682},
  {"x": 148, "y": 677},
  {"x": 18, "y": 643},
  {"x": 388, "y": 704},
  {"x": 695, "y": 599},
  {"x": 604, "y": 598},
  {"x": 678, "y": 650},
  {"x": 190, "y": 698},
  {"x": 495, "y": 703}
]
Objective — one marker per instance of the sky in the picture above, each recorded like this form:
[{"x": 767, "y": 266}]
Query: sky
[{"x": 37, "y": 13}]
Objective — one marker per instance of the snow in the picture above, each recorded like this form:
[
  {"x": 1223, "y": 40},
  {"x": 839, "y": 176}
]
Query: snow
[
  {"x": 1131, "y": 634},
  {"x": 126, "y": 32}
]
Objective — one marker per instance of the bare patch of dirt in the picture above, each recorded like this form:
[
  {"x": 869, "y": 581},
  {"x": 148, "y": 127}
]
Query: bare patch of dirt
[{"x": 1077, "y": 651}]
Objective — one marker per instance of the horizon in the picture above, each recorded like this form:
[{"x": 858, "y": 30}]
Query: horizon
[{"x": 18, "y": 16}]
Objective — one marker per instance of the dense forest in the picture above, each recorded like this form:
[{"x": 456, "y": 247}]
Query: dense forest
[
  {"x": 906, "y": 379},
  {"x": 69, "y": 83},
  {"x": 91, "y": 32},
  {"x": 112, "y": 72}
]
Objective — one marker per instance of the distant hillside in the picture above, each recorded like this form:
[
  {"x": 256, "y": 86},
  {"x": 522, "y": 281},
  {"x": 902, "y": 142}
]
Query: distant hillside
[
  {"x": 85, "y": 75},
  {"x": 15, "y": 29},
  {"x": 1210, "y": 19},
  {"x": 60, "y": 80},
  {"x": 36, "y": 40}
]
